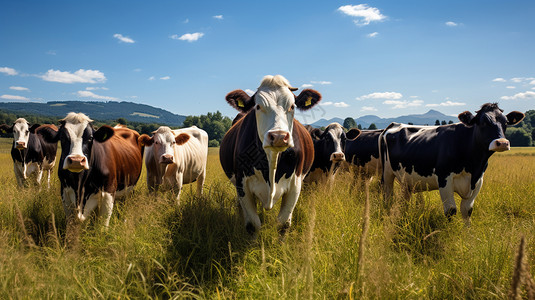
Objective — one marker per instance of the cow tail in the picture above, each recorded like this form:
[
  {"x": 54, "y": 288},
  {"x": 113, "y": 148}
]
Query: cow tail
[{"x": 383, "y": 149}]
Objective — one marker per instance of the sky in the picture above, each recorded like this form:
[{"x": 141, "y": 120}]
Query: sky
[{"x": 386, "y": 58}]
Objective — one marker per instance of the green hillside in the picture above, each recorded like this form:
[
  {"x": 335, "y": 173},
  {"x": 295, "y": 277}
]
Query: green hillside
[{"x": 110, "y": 110}]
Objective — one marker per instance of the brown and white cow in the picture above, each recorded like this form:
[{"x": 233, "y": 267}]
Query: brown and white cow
[
  {"x": 95, "y": 165},
  {"x": 176, "y": 157},
  {"x": 31, "y": 154},
  {"x": 267, "y": 153}
]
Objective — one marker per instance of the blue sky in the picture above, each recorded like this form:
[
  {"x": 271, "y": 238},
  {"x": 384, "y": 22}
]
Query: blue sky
[{"x": 386, "y": 58}]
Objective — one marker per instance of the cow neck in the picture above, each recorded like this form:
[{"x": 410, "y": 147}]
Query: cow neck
[{"x": 478, "y": 155}]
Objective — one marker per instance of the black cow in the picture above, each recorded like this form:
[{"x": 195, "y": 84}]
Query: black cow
[
  {"x": 328, "y": 150},
  {"x": 363, "y": 152},
  {"x": 30, "y": 152},
  {"x": 450, "y": 158}
]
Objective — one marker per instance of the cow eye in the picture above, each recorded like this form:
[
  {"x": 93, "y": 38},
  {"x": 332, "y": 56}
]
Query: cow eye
[
  {"x": 27, "y": 132},
  {"x": 258, "y": 107},
  {"x": 291, "y": 107}
]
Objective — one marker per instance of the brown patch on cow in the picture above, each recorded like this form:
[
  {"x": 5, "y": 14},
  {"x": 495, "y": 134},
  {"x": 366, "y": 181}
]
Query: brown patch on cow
[
  {"x": 240, "y": 100},
  {"x": 181, "y": 139}
]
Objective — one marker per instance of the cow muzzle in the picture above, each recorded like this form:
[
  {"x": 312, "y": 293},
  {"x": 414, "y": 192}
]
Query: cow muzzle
[
  {"x": 166, "y": 159},
  {"x": 20, "y": 145},
  {"x": 278, "y": 139},
  {"x": 338, "y": 156},
  {"x": 499, "y": 145},
  {"x": 76, "y": 163}
]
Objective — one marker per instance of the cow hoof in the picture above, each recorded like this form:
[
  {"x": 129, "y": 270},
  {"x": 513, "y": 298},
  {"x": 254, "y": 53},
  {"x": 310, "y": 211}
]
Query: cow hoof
[
  {"x": 251, "y": 230},
  {"x": 283, "y": 229},
  {"x": 470, "y": 212},
  {"x": 450, "y": 213}
]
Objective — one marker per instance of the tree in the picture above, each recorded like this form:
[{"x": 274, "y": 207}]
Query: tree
[
  {"x": 360, "y": 127},
  {"x": 215, "y": 124},
  {"x": 122, "y": 121},
  {"x": 443, "y": 122},
  {"x": 437, "y": 122},
  {"x": 518, "y": 137},
  {"x": 410, "y": 123},
  {"x": 372, "y": 126},
  {"x": 450, "y": 122},
  {"x": 349, "y": 123}
]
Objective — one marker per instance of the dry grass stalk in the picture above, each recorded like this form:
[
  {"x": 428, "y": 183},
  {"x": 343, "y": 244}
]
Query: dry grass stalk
[
  {"x": 365, "y": 228},
  {"x": 521, "y": 274},
  {"x": 29, "y": 241}
]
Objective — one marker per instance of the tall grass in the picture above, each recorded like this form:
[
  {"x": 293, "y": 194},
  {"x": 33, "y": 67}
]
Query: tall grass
[{"x": 335, "y": 248}]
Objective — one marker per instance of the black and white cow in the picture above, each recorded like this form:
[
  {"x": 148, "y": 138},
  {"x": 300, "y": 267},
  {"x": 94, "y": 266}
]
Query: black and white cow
[
  {"x": 450, "y": 158},
  {"x": 267, "y": 153},
  {"x": 329, "y": 147},
  {"x": 31, "y": 154},
  {"x": 95, "y": 165},
  {"x": 363, "y": 152}
]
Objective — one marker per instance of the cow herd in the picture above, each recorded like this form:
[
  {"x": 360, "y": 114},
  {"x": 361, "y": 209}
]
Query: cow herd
[{"x": 267, "y": 155}]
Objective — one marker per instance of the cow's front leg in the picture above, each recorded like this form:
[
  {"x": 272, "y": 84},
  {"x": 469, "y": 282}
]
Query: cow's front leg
[
  {"x": 448, "y": 198},
  {"x": 18, "y": 168},
  {"x": 90, "y": 204},
  {"x": 39, "y": 175},
  {"x": 250, "y": 214},
  {"x": 179, "y": 182},
  {"x": 106, "y": 207},
  {"x": 200, "y": 182},
  {"x": 467, "y": 203},
  {"x": 288, "y": 202}
]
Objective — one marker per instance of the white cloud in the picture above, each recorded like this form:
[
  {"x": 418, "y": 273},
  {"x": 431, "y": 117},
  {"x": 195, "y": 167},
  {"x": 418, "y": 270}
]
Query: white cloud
[
  {"x": 326, "y": 103},
  {"x": 80, "y": 76},
  {"x": 451, "y": 24},
  {"x": 307, "y": 85},
  {"x": 321, "y": 82},
  {"x": 8, "y": 71},
  {"x": 364, "y": 14},
  {"x": 51, "y": 52},
  {"x": 88, "y": 94},
  {"x": 123, "y": 38},
  {"x": 249, "y": 92},
  {"x": 446, "y": 103},
  {"x": 403, "y": 103},
  {"x": 510, "y": 87},
  {"x": 524, "y": 95},
  {"x": 499, "y": 79},
  {"x": 340, "y": 104},
  {"x": 383, "y": 95},
  {"x": 517, "y": 79},
  {"x": 190, "y": 37},
  {"x": 14, "y": 97},
  {"x": 165, "y": 78},
  {"x": 91, "y": 88},
  {"x": 373, "y": 34},
  {"x": 18, "y": 88},
  {"x": 137, "y": 70},
  {"x": 151, "y": 78},
  {"x": 186, "y": 21},
  {"x": 532, "y": 82},
  {"x": 219, "y": 17},
  {"x": 368, "y": 108}
]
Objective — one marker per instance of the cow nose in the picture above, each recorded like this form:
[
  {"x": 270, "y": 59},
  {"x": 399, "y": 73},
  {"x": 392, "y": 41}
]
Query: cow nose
[
  {"x": 21, "y": 145},
  {"x": 338, "y": 156},
  {"x": 279, "y": 138},
  {"x": 500, "y": 145},
  {"x": 76, "y": 163},
  {"x": 166, "y": 159}
]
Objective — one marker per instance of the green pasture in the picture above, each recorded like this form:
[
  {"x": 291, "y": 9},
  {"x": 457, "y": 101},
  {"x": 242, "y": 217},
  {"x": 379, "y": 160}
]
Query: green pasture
[{"x": 199, "y": 249}]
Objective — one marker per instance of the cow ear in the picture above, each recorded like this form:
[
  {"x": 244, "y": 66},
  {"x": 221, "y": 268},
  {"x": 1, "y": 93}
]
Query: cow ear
[
  {"x": 307, "y": 99},
  {"x": 145, "y": 140},
  {"x": 6, "y": 128},
  {"x": 352, "y": 134},
  {"x": 316, "y": 133},
  {"x": 181, "y": 139},
  {"x": 103, "y": 134},
  {"x": 467, "y": 118},
  {"x": 240, "y": 100},
  {"x": 514, "y": 117},
  {"x": 49, "y": 134},
  {"x": 34, "y": 127}
]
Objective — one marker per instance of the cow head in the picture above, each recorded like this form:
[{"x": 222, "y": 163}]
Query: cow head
[
  {"x": 163, "y": 142},
  {"x": 490, "y": 124},
  {"x": 333, "y": 141},
  {"x": 21, "y": 132},
  {"x": 76, "y": 135},
  {"x": 274, "y": 106}
]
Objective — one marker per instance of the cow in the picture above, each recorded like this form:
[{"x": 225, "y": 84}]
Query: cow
[
  {"x": 363, "y": 152},
  {"x": 328, "y": 151},
  {"x": 95, "y": 166},
  {"x": 176, "y": 157},
  {"x": 267, "y": 153},
  {"x": 30, "y": 152},
  {"x": 451, "y": 158}
]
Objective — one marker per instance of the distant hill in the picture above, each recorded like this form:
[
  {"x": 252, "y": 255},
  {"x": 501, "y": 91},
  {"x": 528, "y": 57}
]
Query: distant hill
[
  {"x": 110, "y": 110},
  {"x": 428, "y": 118}
]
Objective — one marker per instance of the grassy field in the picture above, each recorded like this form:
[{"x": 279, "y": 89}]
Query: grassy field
[{"x": 156, "y": 249}]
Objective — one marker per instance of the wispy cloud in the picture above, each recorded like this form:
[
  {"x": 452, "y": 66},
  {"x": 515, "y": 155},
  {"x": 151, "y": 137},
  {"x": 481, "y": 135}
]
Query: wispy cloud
[
  {"x": 189, "y": 37},
  {"x": 306, "y": 85},
  {"x": 321, "y": 82},
  {"x": 165, "y": 78},
  {"x": 18, "y": 88},
  {"x": 94, "y": 88},
  {"x": 403, "y": 103},
  {"x": 14, "y": 97},
  {"x": 185, "y": 21},
  {"x": 451, "y": 24},
  {"x": 510, "y": 87},
  {"x": 446, "y": 103},
  {"x": 523, "y": 79},
  {"x": 363, "y": 13},
  {"x": 335, "y": 104},
  {"x": 368, "y": 109},
  {"x": 51, "y": 52},
  {"x": 519, "y": 96},
  {"x": 249, "y": 92},
  {"x": 151, "y": 78},
  {"x": 8, "y": 71},
  {"x": 372, "y": 35},
  {"x": 88, "y": 94},
  {"x": 123, "y": 38},
  {"x": 80, "y": 76},
  {"x": 219, "y": 17},
  {"x": 499, "y": 79},
  {"x": 383, "y": 95}
]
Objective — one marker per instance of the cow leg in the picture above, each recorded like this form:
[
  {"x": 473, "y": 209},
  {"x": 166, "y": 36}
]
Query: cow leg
[
  {"x": 250, "y": 215},
  {"x": 388, "y": 187},
  {"x": 68, "y": 198},
  {"x": 467, "y": 203},
  {"x": 179, "y": 181},
  {"x": 106, "y": 207},
  {"x": 200, "y": 182},
  {"x": 49, "y": 172},
  {"x": 448, "y": 198},
  {"x": 288, "y": 202},
  {"x": 90, "y": 204},
  {"x": 18, "y": 168},
  {"x": 39, "y": 175}
]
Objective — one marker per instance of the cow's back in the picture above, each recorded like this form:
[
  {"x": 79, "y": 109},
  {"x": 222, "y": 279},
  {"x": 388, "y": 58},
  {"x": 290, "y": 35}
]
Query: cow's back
[{"x": 364, "y": 150}]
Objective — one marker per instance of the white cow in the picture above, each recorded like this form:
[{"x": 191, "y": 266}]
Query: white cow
[{"x": 176, "y": 157}]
